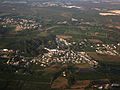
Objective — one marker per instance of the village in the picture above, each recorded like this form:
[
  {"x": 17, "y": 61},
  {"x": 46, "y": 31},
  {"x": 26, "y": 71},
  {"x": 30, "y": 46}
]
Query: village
[
  {"x": 62, "y": 54},
  {"x": 20, "y": 23},
  {"x": 59, "y": 56}
]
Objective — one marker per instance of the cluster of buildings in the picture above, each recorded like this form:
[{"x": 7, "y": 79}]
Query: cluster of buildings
[
  {"x": 20, "y": 23},
  {"x": 15, "y": 59},
  {"x": 45, "y": 4},
  {"x": 55, "y": 4},
  {"x": 61, "y": 40},
  {"x": 63, "y": 57},
  {"x": 107, "y": 49},
  {"x": 105, "y": 84},
  {"x": 6, "y": 53},
  {"x": 18, "y": 61}
]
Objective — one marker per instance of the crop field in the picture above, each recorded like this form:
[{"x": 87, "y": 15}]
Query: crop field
[{"x": 105, "y": 58}]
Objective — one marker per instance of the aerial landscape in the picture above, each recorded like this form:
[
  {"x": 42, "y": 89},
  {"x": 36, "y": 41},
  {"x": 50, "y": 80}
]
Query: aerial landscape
[{"x": 59, "y": 44}]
